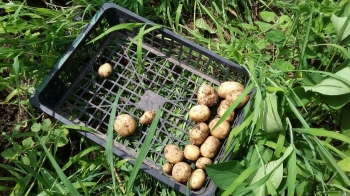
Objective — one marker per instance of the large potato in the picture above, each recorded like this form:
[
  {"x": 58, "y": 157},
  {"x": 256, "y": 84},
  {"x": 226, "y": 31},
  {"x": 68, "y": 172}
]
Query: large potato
[
  {"x": 181, "y": 172},
  {"x": 210, "y": 147},
  {"x": 199, "y": 113},
  {"x": 232, "y": 97},
  {"x": 197, "y": 179},
  {"x": 220, "y": 132},
  {"x": 173, "y": 153},
  {"x": 125, "y": 125},
  {"x": 199, "y": 133},
  {"x": 207, "y": 95},
  {"x": 105, "y": 70},
  {"x": 147, "y": 117},
  {"x": 192, "y": 152},
  {"x": 226, "y": 87},
  {"x": 201, "y": 162},
  {"x": 224, "y": 105}
]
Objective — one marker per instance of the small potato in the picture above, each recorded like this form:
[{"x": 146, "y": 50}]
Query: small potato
[
  {"x": 199, "y": 113},
  {"x": 207, "y": 95},
  {"x": 199, "y": 133},
  {"x": 210, "y": 147},
  {"x": 125, "y": 125},
  {"x": 147, "y": 117},
  {"x": 181, "y": 172},
  {"x": 167, "y": 168},
  {"x": 226, "y": 87},
  {"x": 201, "y": 162},
  {"x": 105, "y": 70},
  {"x": 197, "y": 179},
  {"x": 173, "y": 153},
  {"x": 232, "y": 97},
  {"x": 192, "y": 152},
  {"x": 224, "y": 105},
  {"x": 220, "y": 132}
]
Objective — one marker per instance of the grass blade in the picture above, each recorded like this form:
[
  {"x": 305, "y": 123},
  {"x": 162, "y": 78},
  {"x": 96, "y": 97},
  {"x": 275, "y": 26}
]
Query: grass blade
[
  {"x": 177, "y": 16},
  {"x": 323, "y": 133},
  {"x": 292, "y": 174},
  {"x": 143, "y": 151},
  {"x": 109, "y": 143}
]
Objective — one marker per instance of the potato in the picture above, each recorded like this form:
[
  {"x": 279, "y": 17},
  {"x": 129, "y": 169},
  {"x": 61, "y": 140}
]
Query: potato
[
  {"x": 226, "y": 87},
  {"x": 199, "y": 133},
  {"x": 224, "y": 105},
  {"x": 181, "y": 172},
  {"x": 173, "y": 153},
  {"x": 207, "y": 95},
  {"x": 167, "y": 168},
  {"x": 125, "y": 125},
  {"x": 232, "y": 97},
  {"x": 105, "y": 70},
  {"x": 210, "y": 147},
  {"x": 220, "y": 132},
  {"x": 147, "y": 117},
  {"x": 201, "y": 162},
  {"x": 197, "y": 179},
  {"x": 192, "y": 152},
  {"x": 199, "y": 113}
]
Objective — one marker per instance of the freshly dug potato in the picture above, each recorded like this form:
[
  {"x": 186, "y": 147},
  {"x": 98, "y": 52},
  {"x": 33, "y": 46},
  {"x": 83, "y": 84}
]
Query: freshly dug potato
[
  {"x": 199, "y": 113},
  {"x": 224, "y": 105},
  {"x": 220, "y": 132},
  {"x": 232, "y": 97},
  {"x": 197, "y": 179},
  {"x": 105, "y": 70},
  {"x": 147, "y": 117},
  {"x": 199, "y": 133},
  {"x": 181, "y": 172},
  {"x": 125, "y": 125},
  {"x": 210, "y": 147},
  {"x": 173, "y": 153},
  {"x": 207, "y": 95},
  {"x": 226, "y": 87},
  {"x": 192, "y": 152},
  {"x": 201, "y": 162},
  {"x": 167, "y": 168}
]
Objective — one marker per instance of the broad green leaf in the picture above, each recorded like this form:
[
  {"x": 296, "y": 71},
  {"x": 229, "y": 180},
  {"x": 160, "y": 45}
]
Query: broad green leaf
[
  {"x": 28, "y": 142},
  {"x": 223, "y": 174},
  {"x": 338, "y": 23},
  {"x": 46, "y": 124},
  {"x": 345, "y": 120},
  {"x": 311, "y": 79},
  {"x": 275, "y": 36},
  {"x": 8, "y": 153},
  {"x": 202, "y": 24},
  {"x": 345, "y": 164},
  {"x": 267, "y": 16},
  {"x": 336, "y": 102},
  {"x": 283, "y": 65},
  {"x": 25, "y": 160},
  {"x": 263, "y": 26},
  {"x": 271, "y": 120},
  {"x": 275, "y": 179},
  {"x": 331, "y": 85},
  {"x": 301, "y": 97}
]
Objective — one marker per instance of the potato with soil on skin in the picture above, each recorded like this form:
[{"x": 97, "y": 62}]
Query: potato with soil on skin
[
  {"x": 232, "y": 97},
  {"x": 105, "y": 70},
  {"x": 201, "y": 162},
  {"x": 173, "y": 153},
  {"x": 221, "y": 131},
  {"x": 224, "y": 105},
  {"x": 199, "y": 113},
  {"x": 226, "y": 87},
  {"x": 125, "y": 125},
  {"x": 147, "y": 117},
  {"x": 197, "y": 179},
  {"x": 207, "y": 95},
  {"x": 192, "y": 152},
  {"x": 181, "y": 172},
  {"x": 199, "y": 133},
  {"x": 210, "y": 147},
  {"x": 167, "y": 168}
]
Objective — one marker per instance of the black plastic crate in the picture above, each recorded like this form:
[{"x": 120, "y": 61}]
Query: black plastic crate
[{"x": 174, "y": 68}]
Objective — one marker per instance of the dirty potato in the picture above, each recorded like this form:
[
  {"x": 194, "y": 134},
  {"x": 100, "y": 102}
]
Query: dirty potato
[
  {"x": 201, "y": 162},
  {"x": 220, "y": 132},
  {"x": 147, "y": 117},
  {"x": 199, "y": 133},
  {"x": 167, "y": 168},
  {"x": 199, "y": 113},
  {"x": 197, "y": 179},
  {"x": 226, "y": 87},
  {"x": 210, "y": 147},
  {"x": 105, "y": 70},
  {"x": 192, "y": 152},
  {"x": 181, "y": 172},
  {"x": 224, "y": 105},
  {"x": 207, "y": 95},
  {"x": 232, "y": 97},
  {"x": 173, "y": 153},
  {"x": 125, "y": 125}
]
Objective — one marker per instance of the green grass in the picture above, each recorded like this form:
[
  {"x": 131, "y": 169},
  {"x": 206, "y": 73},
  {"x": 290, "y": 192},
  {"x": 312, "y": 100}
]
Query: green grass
[{"x": 295, "y": 135}]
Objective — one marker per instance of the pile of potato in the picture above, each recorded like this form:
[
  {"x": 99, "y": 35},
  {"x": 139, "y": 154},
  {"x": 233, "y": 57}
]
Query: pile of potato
[{"x": 205, "y": 142}]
